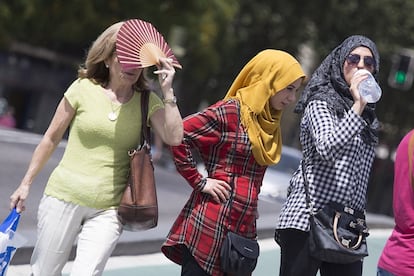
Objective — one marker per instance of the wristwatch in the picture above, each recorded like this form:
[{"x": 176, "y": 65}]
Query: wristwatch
[{"x": 172, "y": 100}]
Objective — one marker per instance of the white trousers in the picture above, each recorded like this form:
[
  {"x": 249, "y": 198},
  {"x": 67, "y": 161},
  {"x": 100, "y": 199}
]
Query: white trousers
[{"x": 59, "y": 224}]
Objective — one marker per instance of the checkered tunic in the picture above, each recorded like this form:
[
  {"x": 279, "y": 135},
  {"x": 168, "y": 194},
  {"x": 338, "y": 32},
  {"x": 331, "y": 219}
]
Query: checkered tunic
[
  {"x": 338, "y": 164},
  {"x": 202, "y": 223}
]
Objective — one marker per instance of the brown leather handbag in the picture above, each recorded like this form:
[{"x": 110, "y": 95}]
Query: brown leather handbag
[{"x": 138, "y": 209}]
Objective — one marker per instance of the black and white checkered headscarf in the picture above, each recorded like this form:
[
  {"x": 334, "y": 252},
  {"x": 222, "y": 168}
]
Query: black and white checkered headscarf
[{"x": 328, "y": 84}]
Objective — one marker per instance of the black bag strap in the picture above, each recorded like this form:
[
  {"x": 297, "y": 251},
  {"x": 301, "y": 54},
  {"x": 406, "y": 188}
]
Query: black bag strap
[
  {"x": 145, "y": 139},
  {"x": 230, "y": 202},
  {"x": 309, "y": 204},
  {"x": 335, "y": 205}
]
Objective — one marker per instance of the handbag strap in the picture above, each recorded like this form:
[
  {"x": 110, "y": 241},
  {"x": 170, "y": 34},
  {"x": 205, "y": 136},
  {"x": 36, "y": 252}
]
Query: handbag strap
[
  {"x": 306, "y": 184},
  {"x": 230, "y": 202},
  {"x": 145, "y": 129},
  {"x": 309, "y": 203}
]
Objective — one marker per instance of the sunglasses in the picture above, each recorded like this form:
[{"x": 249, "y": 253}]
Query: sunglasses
[{"x": 354, "y": 59}]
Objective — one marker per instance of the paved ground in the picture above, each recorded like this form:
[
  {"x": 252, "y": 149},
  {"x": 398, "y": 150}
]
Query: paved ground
[
  {"x": 137, "y": 253},
  {"x": 156, "y": 264}
]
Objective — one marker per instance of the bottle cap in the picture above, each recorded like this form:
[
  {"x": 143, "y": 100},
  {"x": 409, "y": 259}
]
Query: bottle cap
[{"x": 362, "y": 72}]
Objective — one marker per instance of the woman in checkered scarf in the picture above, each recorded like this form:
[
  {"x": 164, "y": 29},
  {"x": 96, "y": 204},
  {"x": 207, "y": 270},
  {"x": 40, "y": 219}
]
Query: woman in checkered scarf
[{"x": 338, "y": 137}]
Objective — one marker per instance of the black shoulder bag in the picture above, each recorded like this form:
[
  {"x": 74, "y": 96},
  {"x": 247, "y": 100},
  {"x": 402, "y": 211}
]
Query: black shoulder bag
[
  {"x": 337, "y": 232},
  {"x": 238, "y": 254}
]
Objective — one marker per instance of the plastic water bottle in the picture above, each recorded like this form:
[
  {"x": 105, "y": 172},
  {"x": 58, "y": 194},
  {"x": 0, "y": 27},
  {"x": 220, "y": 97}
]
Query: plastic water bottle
[{"x": 369, "y": 88}]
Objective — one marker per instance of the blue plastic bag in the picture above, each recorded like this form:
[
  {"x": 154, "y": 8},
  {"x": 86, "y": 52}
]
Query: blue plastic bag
[{"x": 7, "y": 246}]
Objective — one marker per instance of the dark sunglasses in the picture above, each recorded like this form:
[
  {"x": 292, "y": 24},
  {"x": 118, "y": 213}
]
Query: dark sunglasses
[{"x": 355, "y": 58}]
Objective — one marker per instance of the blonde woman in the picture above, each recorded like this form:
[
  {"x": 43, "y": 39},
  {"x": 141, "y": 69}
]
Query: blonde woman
[{"x": 102, "y": 108}]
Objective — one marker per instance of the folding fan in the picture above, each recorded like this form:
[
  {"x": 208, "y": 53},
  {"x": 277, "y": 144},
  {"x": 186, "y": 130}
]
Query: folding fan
[{"x": 139, "y": 45}]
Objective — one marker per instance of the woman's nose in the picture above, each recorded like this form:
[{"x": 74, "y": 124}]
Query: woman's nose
[{"x": 292, "y": 97}]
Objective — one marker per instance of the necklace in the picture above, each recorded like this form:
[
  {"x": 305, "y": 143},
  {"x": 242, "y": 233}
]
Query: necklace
[{"x": 112, "y": 116}]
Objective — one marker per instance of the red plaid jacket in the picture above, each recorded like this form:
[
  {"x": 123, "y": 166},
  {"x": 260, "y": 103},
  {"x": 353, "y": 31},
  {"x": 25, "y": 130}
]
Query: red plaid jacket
[{"x": 202, "y": 224}]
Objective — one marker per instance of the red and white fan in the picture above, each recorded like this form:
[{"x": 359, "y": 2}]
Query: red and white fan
[{"x": 139, "y": 45}]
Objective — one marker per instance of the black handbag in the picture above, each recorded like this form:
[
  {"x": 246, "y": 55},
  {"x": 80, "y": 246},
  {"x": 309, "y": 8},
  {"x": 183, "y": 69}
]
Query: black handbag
[
  {"x": 238, "y": 254},
  {"x": 337, "y": 233}
]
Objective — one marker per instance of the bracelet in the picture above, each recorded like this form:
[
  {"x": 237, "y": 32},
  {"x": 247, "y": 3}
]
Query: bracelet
[{"x": 173, "y": 100}]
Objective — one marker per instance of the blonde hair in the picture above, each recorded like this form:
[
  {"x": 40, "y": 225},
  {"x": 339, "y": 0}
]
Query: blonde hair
[{"x": 103, "y": 48}]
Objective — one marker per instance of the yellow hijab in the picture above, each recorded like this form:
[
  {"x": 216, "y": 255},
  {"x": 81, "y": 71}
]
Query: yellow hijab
[{"x": 262, "y": 77}]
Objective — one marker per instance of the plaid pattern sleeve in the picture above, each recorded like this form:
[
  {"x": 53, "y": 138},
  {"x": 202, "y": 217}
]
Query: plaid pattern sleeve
[
  {"x": 200, "y": 128},
  {"x": 338, "y": 164},
  {"x": 202, "y": 223}
]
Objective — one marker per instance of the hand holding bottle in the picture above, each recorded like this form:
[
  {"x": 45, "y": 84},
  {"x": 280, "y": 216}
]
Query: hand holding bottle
[{"x": 369, "y": 88}]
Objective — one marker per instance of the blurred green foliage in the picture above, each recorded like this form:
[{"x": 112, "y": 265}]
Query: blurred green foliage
[{"x": 215, "y": 38}]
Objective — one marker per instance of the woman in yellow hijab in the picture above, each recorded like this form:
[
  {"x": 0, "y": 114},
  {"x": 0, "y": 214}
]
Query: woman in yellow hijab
[
  {"x": 237, "y": 138},
  {"x": 259, "y": 80}
]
